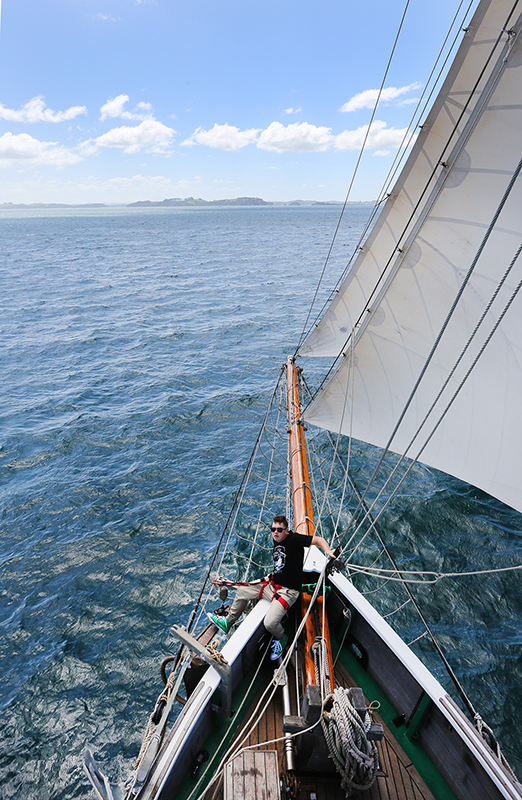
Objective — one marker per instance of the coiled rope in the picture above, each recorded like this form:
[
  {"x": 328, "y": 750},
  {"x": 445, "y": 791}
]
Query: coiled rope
[{"x": 356, "y": 759}]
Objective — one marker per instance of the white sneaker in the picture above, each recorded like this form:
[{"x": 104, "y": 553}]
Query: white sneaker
[{"x": 277, "y": 647}]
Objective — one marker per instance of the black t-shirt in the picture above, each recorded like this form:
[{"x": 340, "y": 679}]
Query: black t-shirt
[{"x": 288, "y": 560}]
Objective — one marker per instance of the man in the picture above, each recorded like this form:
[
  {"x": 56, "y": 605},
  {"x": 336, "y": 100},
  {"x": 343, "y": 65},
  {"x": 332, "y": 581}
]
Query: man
[{"x": 283, "y": 587}]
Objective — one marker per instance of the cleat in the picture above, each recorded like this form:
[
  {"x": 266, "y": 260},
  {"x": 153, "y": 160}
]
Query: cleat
[
  {"x": 220, "y": 622},
  {"x": 277, "y": 647}
]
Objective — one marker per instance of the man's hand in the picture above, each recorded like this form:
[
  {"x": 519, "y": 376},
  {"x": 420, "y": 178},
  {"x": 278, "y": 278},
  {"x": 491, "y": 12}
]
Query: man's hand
[{"x": 336, "y": 563}]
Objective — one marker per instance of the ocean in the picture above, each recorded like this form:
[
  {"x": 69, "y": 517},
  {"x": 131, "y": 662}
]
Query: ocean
[{"x": 139, "y": 350}]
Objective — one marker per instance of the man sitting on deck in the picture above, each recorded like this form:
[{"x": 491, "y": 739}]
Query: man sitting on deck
[{"x": 283, "y": 587}]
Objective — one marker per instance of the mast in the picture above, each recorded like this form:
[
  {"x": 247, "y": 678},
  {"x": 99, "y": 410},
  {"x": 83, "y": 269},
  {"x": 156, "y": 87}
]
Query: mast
[
  {"x": 317, "y": 623},
  {"x": 301, "y": 494}
]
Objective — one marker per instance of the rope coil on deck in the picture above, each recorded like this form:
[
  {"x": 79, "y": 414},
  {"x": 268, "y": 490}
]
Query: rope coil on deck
[{"x": 355, "y": 758}]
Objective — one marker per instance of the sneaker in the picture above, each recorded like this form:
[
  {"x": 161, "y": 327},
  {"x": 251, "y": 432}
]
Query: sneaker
[
  {"x": 220, "y": 622},
  {"x": 277, "y": 647}
]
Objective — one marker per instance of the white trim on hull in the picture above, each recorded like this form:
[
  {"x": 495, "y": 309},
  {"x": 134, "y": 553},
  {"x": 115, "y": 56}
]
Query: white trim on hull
[
  {"x": 458, "y": 721},
  {"x": 199, "y": 702}
]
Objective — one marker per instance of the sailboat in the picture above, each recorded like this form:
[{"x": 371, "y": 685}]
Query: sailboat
[{"x": 425, "y": 340}]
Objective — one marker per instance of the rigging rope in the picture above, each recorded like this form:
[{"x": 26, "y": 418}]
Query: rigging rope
[
  {"x": 388, "y": 574},
  {"x": 356, "y": 168},
  {"x": 443, "y": 329},
  {"x": 464, "y": 112},
  {"x": 401, "y": 152}
]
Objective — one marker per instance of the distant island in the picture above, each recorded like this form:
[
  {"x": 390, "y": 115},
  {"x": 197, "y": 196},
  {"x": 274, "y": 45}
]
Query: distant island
[
  {"x": 197, "y": 201},
  {"x": 237, "y": 201},
  {"x": 188, "y": 202}
]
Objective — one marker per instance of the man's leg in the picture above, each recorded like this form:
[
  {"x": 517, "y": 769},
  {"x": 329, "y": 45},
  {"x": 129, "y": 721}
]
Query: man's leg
[
  {"x": 243, "y": 595},
  {"x": 278, "y": 609}
]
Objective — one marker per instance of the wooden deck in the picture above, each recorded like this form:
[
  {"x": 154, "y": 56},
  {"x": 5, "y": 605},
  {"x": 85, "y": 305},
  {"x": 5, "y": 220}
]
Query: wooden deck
[{"x": 398, "y": 779}]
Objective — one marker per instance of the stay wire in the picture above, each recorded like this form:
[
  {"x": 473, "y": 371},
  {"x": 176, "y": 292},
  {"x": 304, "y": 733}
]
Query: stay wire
[
  {"x": 437, "y": 162},
  {"x": 404, "y": 147},
  {"x": 354, "y": 174},
  {"x": 234, "y": 504},
  {"x": 444, "y": 386},
  {"x": 402, "y": 150}
]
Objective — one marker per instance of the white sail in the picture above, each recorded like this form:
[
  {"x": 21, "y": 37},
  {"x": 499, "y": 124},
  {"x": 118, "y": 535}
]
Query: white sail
[{"x": 390, "y": 309}]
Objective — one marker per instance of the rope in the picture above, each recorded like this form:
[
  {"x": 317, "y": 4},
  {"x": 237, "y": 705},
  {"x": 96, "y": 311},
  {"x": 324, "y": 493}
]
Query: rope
[
  {"x": 320, "y": 655},
  {"x": 215, "y": 655},
  {"x": 445, "y": 384},
  {"x": 355, "y": 758},
  {"x": 424, "y": 101},
  {"x": 356, "y": 168},
  {"x": 169, "y": 693},
  {"x": 394, "y": 575},
  {"x": 265, "y": 496},
  {"x": 488, "y": 736},
  {"x": 147, "y": 736}
]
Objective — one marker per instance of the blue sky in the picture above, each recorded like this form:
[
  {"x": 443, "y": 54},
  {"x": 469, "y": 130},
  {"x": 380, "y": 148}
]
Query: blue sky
[{"x": 114, "y": 101}]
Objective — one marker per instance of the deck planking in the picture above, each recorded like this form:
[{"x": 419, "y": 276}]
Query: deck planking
[{"x": 398, "y": 779}]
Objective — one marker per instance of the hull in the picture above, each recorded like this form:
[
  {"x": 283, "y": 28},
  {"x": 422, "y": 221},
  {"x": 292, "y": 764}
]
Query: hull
[{"x": 430, "y": 749}]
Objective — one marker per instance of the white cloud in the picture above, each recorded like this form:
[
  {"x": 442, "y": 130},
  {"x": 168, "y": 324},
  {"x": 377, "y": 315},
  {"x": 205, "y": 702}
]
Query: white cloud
[
  {"x": 151, "y": 136},
  {"x": 295, "y": 138},
  {"x": 35, "y": 111},
  {"x": 299, "y": 137},
  {"x": 382, "y": 153},
  {"x": 293, "y": 110},
  {"x": 380, "y": 137},
  {"x": 223, "y": 137},
  {"x": 23, "y": 148},
  {"x": 368, "y": 98},
  {"x": 114, "y": 108},
  {"x": 104, "y": 17}
]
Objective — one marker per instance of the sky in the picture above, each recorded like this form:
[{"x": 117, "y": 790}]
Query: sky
[{"x": 114, "y": 101}]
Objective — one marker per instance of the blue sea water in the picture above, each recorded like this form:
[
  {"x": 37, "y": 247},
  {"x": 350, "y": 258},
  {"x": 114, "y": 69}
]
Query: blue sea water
[{"x": 139, "y": 349}]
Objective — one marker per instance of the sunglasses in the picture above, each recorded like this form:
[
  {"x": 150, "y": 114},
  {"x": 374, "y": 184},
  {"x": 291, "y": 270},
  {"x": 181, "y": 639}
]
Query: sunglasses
[{"x": 277, "y": 530}]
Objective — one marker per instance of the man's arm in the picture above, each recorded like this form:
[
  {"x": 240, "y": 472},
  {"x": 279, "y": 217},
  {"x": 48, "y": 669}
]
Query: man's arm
[{"x": 323, "y": 544}]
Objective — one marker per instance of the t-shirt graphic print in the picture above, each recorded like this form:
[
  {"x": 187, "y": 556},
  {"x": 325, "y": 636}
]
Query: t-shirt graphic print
[{"x": 288, "y": 560}]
